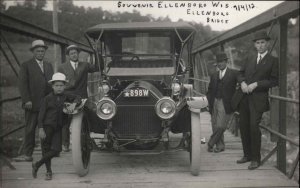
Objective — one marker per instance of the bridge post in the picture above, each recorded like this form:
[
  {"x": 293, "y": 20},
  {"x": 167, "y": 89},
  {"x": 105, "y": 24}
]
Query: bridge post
[
  {"x": 222, "y": 47},
  {"x": 203, "y": 84},
  {"x": 63, "y": 53},
  {"x": 281, "y": 154}
]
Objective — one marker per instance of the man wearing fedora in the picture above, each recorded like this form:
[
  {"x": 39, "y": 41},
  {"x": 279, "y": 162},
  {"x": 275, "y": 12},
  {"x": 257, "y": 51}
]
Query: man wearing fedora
[
  {"x": 221, "y": 88},
  {"x": 258, "y": 74},
  {"x": 77, "y": 74},
  {"x": 33, "y": 86}
]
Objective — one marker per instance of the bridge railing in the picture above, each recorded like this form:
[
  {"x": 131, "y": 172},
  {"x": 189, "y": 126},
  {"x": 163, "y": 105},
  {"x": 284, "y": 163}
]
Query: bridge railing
[
  {"x": 14, "y": 25},
  {"x": 279, "y": 16}
]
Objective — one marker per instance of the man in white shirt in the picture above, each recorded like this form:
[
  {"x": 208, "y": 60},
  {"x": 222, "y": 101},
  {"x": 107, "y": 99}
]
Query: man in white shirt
[
  {"x": 258, "y": 74},
  {"x": 77, "y": 75},
  {"x": 33, "y": 85},
  {"x": 221, "y": 88}
]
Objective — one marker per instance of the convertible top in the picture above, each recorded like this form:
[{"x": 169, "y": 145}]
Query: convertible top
[{"x": 139, "y": 26}]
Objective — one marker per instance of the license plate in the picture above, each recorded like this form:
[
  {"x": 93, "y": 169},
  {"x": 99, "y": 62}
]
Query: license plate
[{"x": 136, "y": 93}]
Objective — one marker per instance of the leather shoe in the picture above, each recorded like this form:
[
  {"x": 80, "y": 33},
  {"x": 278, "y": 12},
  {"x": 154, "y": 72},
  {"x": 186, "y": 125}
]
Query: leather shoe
[
  {"x": 243, "y": 160},
  {"x": 217, "y": 150},
  {"x": 253, "y": 165},
  {"x": 209, "y": 148},
  {"x": 34, "y": 170},
  {"x": 48, "y": 176}
]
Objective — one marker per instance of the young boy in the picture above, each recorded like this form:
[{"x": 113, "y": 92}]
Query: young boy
[{"x": 50, "y": 122}]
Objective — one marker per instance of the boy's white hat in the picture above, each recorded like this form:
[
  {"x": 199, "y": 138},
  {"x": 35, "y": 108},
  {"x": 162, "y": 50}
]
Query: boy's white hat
[{"x": 58, "y": 77}]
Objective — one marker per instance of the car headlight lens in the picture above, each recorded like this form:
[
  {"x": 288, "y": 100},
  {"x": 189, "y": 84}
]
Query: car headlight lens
[
  {"x": 165, "y": 108},
  {"x": 176, "y": 88},
  {"x": 106, "y": 108}
]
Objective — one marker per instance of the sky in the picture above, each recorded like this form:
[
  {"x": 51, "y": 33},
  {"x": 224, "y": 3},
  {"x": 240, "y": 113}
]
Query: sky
[{"x": 219, "y": 15}]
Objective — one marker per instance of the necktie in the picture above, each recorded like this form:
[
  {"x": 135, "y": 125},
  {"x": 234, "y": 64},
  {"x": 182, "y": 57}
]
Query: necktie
[
  {"x": 75, "y": 65},
  {"x": 221, "y": 75},
  {"x": 41, "y": 65},
  {"x": 259, "y": 59}
]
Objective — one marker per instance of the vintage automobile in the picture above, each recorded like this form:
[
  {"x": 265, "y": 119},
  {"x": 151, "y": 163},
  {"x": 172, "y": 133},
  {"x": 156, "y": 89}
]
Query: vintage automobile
[{"x": 143, "y": 92}]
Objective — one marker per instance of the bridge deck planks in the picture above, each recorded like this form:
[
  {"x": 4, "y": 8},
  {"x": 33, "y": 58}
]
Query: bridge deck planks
[{"x": 167, "y": 170}]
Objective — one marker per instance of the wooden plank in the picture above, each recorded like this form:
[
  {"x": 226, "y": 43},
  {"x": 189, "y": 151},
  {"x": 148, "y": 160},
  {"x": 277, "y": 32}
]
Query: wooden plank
[{"x": 167, "y": 170}]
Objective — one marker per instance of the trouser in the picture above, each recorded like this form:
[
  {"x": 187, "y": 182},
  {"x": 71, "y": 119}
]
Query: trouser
[
  {"x": 219, "y": 121},
  {"x": 66, "y": 131},
  {"x": 30, "y": 127},
  {"x": 249, "y": 127},
  {"x": 47, "y": 151}
]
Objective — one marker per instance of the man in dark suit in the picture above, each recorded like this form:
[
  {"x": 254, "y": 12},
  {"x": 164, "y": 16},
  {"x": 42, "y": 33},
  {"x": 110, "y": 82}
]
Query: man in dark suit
[
  {"x": 221, "y": 88},
  {"x": 257, "y": 75},
  {"x": 77, "y": 74},
  {"x": 33, "y": 85}
]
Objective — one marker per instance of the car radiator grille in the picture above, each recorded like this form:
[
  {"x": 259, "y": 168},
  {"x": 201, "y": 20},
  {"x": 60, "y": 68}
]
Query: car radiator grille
[{"x": 136, "y": 118}]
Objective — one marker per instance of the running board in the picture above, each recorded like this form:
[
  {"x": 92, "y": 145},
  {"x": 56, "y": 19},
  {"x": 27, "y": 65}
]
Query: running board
[{"x": 150, "y": 152}]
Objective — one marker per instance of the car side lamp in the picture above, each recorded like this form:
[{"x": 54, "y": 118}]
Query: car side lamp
[
  {"x": 176, "y": 88},
  {"x": 104, "y": 88}
]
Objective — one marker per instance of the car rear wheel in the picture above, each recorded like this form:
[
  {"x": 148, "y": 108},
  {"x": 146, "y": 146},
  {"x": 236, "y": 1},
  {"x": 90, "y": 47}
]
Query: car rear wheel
[
  {"x": 81, "y": 144},
  {"x": 195, "y": 144}
]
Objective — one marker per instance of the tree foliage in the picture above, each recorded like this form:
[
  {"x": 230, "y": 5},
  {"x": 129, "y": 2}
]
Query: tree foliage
[{"x": 74, "y": 20}]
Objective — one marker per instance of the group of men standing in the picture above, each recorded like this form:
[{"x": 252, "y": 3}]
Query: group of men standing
[
  {"x": 257, "y": 75},
  {"x": 34, "y": 85}
]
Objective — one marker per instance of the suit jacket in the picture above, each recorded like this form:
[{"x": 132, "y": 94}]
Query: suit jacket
[
  {"x": 51, "y": 111},
  {"x": 229, "y": 85},
  {"x": 77, "y": 78},
  {"x": 265, "y": 74},
  {"x": 33, "y": 83}
]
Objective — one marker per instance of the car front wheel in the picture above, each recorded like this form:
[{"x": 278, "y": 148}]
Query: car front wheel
[{"x": 81, "y": 144}]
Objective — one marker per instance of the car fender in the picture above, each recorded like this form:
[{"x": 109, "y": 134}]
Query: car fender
[
  {"x": 197, "y": 103},
  {"x": 77, "y": 108}
]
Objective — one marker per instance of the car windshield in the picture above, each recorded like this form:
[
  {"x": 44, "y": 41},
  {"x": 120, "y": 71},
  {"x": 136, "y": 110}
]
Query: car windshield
[
  {"x": 143, "y": 43},
  {"x": 139, "y": 45},
  {"x": 138, "y": 53}
]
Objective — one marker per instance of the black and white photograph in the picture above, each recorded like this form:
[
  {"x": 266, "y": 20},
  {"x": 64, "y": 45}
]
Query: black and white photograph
[{"x": 149, "y": 94}]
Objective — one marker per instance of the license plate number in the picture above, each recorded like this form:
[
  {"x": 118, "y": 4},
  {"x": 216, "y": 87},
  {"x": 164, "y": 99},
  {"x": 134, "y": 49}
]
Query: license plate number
[{"x": 136, "y": 93}]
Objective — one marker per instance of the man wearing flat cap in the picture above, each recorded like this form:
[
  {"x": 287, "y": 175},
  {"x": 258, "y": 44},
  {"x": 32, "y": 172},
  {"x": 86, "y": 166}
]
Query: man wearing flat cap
[
  {"x": 258, "y": 74},
  {"x": 77, "y": 74},
  {"x": 33, "y": 86},
  {"x": 221, "y": 88}
]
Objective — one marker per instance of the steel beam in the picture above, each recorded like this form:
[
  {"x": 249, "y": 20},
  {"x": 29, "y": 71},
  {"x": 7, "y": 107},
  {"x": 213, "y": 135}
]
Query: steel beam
[
  {"x": 284, "y": 10},
  {"x": 281, "y": 154},
  {"x": 11, "y": 24}
]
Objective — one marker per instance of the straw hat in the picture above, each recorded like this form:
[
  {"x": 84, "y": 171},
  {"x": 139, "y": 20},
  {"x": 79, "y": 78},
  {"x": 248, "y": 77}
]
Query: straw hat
[
  {"x": 71, "y": 47},
  {"x": 38, "y": 43},
  {"x": 58, "y": 77}
]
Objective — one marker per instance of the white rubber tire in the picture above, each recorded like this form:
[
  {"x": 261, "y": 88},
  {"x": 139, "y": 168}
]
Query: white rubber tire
[
  {"x": 195, "y": 144},
  {"x": 78, "y": 164}
]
